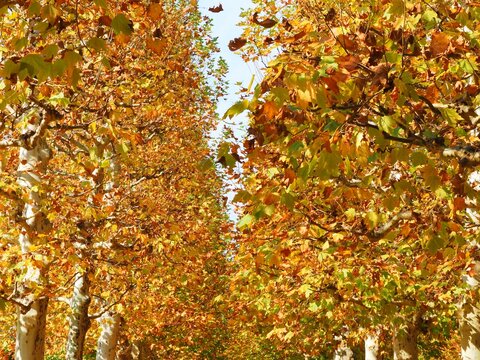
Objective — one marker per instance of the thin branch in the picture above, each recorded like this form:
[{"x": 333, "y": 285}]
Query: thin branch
[
  {"x": 383, "y": 229},
  {"x": 101, "y": 312}
]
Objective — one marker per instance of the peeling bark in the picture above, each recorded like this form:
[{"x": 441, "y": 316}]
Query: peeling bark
[
  {"x": 371, "y": 346},
  {"x": 469, "y": 318},
  {"x": 79, "y": 319},
  {"x": 33, "y": 161},
  {"x": 107, "y": 342},
  {"x": 405, "y": 343}
]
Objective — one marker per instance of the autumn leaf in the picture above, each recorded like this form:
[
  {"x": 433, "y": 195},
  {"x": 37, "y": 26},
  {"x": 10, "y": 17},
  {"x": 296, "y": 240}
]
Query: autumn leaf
[
  {"x": 267, "y": 23},
  {"x": 155, "y": 11},
  {"x": 439, "y": 43},
  {"x": 156, "y": 45},
  {"x": 216, "y": 9},
  {"x": 236, "y": 44}
]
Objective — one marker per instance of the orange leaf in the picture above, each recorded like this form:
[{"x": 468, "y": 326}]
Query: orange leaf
[
  {"x": 290, "y": 176},
  {"x": 155, "y": 11},
  {"x": 156, "y": 45},
  {"x": 269, "y": 109},
  {"x": 439, "y": 43},
  {"x": 459, "y": 204}
]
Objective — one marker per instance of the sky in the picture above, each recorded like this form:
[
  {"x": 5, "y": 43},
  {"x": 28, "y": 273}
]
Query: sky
[{"x": 225, "y": 29}]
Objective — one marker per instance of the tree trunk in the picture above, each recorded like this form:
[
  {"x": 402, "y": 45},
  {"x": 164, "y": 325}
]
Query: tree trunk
[
  {"x": 371, "y": 346},
  {"x": 470, "y": 330},
  {"x": 107, "y": 342},
  {"x": 30, "y": 340},
  {"x": 405, "y": 343},
  {"x": 33, "y": 160},
  {"x": 343, "y": 352},
  {"x": 469, "y": 318},
  {"x": 79, "y": 320}
]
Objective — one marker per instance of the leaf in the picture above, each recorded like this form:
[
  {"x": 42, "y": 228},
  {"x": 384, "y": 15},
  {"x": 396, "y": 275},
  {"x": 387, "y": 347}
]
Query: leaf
[
  {"x": 101, "y": 3},
  {"x": 439, "y": 43},
  {"x": 97, "y": 44},
  {"x": 237, "y": 108},
  {"x": 216, "y": 9},
  {"x": 245, "y": 222},
  {"x": 105, "y": 20},
  {"x": 157, "y": 45},
  {"x": 155, "y": 11},
  {"x": 267, "y": 23},
  {"x": 236, "y": 44},
  {"x": 120, "y": 24}
]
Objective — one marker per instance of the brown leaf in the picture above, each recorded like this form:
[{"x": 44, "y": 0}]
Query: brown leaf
[
  {"x": 105, "y": 20},
  {"x": 330, "y": 15},
  {"x": 236, "y": 44},
  {"x": 439, "y": 43},
  {"x": 216, "y": 9},
  {"x": 267, "y": 23}
]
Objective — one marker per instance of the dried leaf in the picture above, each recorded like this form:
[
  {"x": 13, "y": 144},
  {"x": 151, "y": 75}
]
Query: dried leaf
[
  {"x": 236, "y": 44},
  {"x": 439, "y": 43},
  {"x": 216, "y": 9},
  {"x": 267, "y": 23}
]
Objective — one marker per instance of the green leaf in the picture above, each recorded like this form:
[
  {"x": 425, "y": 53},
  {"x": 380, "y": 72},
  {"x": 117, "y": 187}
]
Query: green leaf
[
  {"x": 101, "y": 3},
  {"x": 245, "y": 222},
  {"x": 236, "y": 109},
  {"x": 97, "y": 43},
  {"x": 120, "y": 24},
  {"x": 50, "y": 51},
  {"x": 435, "y": 244},
  {"x": 206, "y": 164},
  {"x": 281, "y": 95},
  {"x": 418, "y": 158},
  {"x": 288, "y": 200},
  {"x": 450, "y": 115}
]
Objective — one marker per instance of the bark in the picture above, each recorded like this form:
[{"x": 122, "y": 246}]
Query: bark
[
  {"x": 33, "y": 161},
  {"x": 469, "y": 318},
  {"x": 343, "y": 352},
  {"x": 107, "y": 342},
  {"x": 405, "y": 343},
  {"x": 79, "y": 319},
  {"x": 371, "y": 347},
  {"x": 470, "y": 331},
  {"x": 30, "y": 340}
]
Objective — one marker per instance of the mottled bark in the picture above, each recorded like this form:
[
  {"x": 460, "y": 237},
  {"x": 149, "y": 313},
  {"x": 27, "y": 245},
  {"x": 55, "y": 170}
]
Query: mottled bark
[
  {"x": 371, "y": 346},
  {"x": 79, "y": 319},
  {"x": 405, "y": 342},
  {"x": 33, "y": 160},
  {"x": 109, "y": 336},
  {"x": 469, "y": 317}
]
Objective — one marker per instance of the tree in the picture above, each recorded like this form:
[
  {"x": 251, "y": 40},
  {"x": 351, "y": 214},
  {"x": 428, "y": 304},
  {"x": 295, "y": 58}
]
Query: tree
[
  {"x": 92, "y": 92},
  {"x": 360, "y": 207}
]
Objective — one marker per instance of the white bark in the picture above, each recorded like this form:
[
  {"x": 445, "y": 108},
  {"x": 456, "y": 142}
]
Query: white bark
[
  {"x": 343, "y": 352},
  {"x": 107, "y": 342},
  {"x": 469, "y": 315},
  {"x": 470, "y": 331},
  {"x": 79, "y": 319},
  {"x": 371, "y": 346},
  {"x": 33, "y": 160}
]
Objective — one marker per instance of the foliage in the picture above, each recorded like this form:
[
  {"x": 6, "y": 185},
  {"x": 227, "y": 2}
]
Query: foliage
[{"x": 358, "y": 169}]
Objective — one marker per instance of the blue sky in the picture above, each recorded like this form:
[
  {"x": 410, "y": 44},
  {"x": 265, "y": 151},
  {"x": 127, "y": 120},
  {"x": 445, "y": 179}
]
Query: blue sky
[{"x": 226, "y": 29}]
